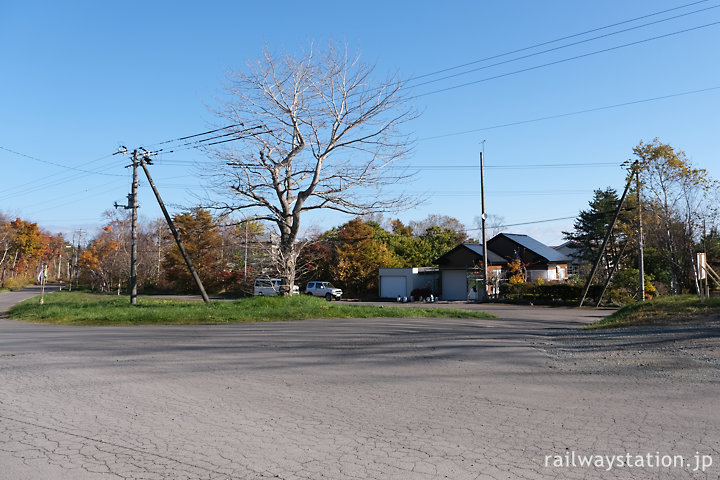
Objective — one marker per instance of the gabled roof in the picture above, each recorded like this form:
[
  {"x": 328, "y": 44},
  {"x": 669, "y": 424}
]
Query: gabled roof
[
  {"x": 540, "y": 248},
  {"x": 477, "y": 249},
  {"x": 568, "y": 250}
]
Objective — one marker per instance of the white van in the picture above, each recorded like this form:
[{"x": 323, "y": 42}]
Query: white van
[{"x": 271, "y": 287}]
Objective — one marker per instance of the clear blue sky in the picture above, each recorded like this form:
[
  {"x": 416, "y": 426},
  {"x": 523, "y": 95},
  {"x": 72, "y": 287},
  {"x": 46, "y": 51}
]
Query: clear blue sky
[{"x": 80, "y": 78}]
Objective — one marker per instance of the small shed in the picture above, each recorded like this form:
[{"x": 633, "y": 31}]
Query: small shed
[{"x": 400, "y": 282}]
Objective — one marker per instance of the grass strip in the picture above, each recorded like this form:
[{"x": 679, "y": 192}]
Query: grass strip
[
  {"x": 661, "y": 310},
  {"x": 73, "y": 308}
]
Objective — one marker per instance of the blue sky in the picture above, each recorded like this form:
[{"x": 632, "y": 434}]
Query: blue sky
[{"x": 81, "y": 78}]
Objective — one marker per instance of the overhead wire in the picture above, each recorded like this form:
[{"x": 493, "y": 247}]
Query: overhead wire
[
  {"x": 196, "y": 143},
  {"x": 516, "y": 166},
  {"x": 556, "y": 62},
  {"x": 567, "y": 37},
  {"x": 204, "y": 141},
  {"x": 558, "y": 48},
  {"x": 568, "y": 114},
  {"x": 60, "y": 164},
  {"x": 596, "y": 214},
  {"x": 42, "y": 183},
  {"x": 198, "y": 134}
]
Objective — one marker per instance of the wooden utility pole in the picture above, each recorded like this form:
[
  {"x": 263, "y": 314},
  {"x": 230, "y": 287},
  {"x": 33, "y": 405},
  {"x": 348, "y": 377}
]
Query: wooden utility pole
[
  {"x": 641, "y": 255},
  {"x": 604, "y": 244},
  {"x": 144, "y": 160},
  {"x": 613, "y": 267}
]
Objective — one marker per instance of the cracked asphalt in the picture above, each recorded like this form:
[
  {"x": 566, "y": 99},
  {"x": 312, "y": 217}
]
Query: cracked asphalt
[{"x": 343, "y": 399}]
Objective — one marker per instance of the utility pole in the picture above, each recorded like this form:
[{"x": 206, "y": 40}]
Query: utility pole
[
  {"x": 144, "y": 160},
  {"x": 71, "y": 262},
  {"x": 641, "y": 255},
  {"x": 246, "y": 252},
  {"x": 75, "y": 262},
  {"x": 132, "y": 205},
  {"x": 706, "y": 287},
  {"x": 484, "y": 296},
  {"x": 605, "y": 241}
]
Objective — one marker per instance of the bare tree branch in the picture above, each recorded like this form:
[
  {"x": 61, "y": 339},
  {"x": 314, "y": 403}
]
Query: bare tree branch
[{"x": 330, "y": 131}]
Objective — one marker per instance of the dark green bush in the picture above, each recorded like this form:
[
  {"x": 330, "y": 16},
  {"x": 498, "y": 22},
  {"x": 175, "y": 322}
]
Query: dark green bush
[{"x": 547, "y": 293}]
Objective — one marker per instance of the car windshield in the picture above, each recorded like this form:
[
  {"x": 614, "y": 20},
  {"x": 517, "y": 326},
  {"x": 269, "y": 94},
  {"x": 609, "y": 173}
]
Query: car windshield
[{"x": 328, "y": 285}]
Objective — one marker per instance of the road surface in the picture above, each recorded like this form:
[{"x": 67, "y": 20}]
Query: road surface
[{"x": 343, "y": 399}]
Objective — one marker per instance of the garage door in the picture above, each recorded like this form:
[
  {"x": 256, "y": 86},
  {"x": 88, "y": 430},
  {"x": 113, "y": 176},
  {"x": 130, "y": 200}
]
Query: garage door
[
  {"x": 393, "y": 287},
  {"x": 454, "y": 285}
]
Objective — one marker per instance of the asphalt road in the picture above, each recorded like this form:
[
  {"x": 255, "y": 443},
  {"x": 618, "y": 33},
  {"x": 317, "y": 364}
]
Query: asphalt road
[{"x": 339, "y": 399}]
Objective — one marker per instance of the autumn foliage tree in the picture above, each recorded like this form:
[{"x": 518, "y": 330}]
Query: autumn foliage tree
[
  {"x": 24, "y": 248},
  {"x": 678, "y": 196},
  {"x": 103, "y": 263},
  {"x": 351, "y": 254},
  {"x": 359, "y": 255},
  {"x": 26, "y": 245},
  {"x": 199, "y": 233}
]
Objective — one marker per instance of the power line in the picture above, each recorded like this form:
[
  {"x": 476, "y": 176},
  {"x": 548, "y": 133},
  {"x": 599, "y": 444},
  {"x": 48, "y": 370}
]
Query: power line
[
  {"x": 557, "y": 40},
  {"x": 516, "y": 166},
  {"x": 64, "y": 166},
  {"x": 556, "y": 62},
  {"x": 558, "y": 48},
  {"x": 199, "y": 134},
  {"x": 525, "y": 223},
  {"x": 596, "y": 214},
  {"x": 196, "y": 143},
  {"x": 560, "y": 115}
]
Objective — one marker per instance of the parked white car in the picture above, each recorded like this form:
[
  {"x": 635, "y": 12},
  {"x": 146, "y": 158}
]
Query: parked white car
[
  {"x": 323, "y": 289},
  {"x": 271, "y": 287}
]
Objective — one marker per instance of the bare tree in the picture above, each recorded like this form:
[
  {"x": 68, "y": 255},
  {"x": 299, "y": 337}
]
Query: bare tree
[
  {"x": 495, "y": 224},
  {"x": 311, "y": 132},
  {"x": 440, "y": 221}
]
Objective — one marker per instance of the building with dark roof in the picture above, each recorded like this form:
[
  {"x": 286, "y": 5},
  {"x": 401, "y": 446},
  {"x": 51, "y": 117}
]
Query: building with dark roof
[
  {"x": 462, "y": 266},
  {"x": 460, "y": 270},
  {"x": 539, "y": 260},
  {"x": 573, "y": 257}
]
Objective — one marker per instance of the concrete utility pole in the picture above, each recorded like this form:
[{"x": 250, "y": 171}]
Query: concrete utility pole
[
  {"x": 484, "y": 296},
  {"x": 132, "y": 205}
]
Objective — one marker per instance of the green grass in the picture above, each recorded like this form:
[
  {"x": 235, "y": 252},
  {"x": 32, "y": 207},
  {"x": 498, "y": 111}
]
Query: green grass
[
  {"x": 72, "y": 308},
  {"x": 661, "y": 310}
]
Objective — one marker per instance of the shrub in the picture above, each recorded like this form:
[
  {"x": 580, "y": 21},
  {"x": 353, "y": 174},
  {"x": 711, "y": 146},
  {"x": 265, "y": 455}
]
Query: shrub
[
  {"x": 562, "y": 293},
  {"x": 421, "y": 293}
]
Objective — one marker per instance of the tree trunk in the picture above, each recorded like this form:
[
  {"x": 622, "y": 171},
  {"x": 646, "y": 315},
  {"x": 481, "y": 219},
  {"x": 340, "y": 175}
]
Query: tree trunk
[{"x": 288, "y": 258}]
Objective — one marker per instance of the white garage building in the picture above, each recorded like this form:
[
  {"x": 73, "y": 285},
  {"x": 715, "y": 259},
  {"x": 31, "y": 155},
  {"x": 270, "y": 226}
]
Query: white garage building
[{"x": 400, "y": 282}]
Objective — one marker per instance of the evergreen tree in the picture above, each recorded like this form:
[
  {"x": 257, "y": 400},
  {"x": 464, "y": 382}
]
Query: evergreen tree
[{"x": 592, "y": 225}]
